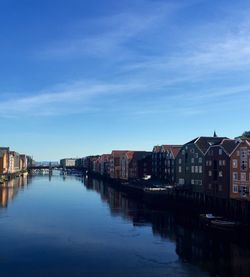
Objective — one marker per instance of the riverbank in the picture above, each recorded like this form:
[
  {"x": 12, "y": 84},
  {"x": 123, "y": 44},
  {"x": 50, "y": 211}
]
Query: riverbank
[
  {"x": 9, "y": 176},
  {"x": 166, "y": 197}
]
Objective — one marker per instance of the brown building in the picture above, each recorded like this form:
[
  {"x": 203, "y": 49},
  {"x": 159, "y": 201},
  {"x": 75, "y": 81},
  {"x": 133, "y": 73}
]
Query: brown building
[
  {"x": 115, "y": 163},
  {"x": 240, "y": 171},
  {"x": 136, "y": 165},
  {"x": 217, "y": 169},
  {"x": 4, "y": 160}
]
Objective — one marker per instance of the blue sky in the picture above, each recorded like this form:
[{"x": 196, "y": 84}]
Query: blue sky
[{"x": 85, "y": 77}]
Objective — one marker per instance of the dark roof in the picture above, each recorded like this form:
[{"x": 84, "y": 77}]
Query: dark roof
[
  {"x": 229, "y": 145},
  {"x": 138, "y": 155},
  {"x": 203, "y": 143}
]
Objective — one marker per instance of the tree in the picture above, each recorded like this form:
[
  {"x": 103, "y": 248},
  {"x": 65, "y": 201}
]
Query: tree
[{"x": 245, "y": 135}]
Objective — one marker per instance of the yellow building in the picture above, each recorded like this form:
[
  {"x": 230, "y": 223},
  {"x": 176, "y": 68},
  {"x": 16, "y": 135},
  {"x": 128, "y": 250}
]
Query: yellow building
[{"x": 4, "y": 160}]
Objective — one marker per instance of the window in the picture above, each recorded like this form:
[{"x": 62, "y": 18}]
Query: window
[
  {"x": 181, "y": 181},
  {"x": 235, "y": 176},
  {"x": 220, "y": 174},
  {"x": 183, "y": 152},
  {"x": 220, "y": 188},
  {"x": 235, "y": 188},
  {"x": 192, "y": 169},
  {"x": 220, "y": 151},
  {"x": 238, "y": 153},
  {"x": 200, "y": 169},
  {"x": 192, "y": 182},
  {"x": 192, "y": 160},
  {"x": 243, "y": 165},
  {"x": 196, "y": 155},
  {"x": 209, "y": 173},
  {"x": 243, "y": 190},
  {"x": 243, "y": 177},
  {"x": 196, "y": 169},
  {"x": 210, "y": 186},
  {"x": 235, "y": 163},
  {"x": 243, "y": 154},
  {"x": 179, "y": 161},
  {"x": 179, "y": 169},
  {"x": 200, "y": 160}
]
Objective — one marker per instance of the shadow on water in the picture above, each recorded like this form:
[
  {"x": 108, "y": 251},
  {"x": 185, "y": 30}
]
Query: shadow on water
[{"x": 219, "y": 254}]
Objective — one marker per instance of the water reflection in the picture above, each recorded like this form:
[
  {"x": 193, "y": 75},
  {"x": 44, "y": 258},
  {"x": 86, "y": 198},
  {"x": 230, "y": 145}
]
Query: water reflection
[
  {"x": 77, "y": 229},
  {"x": 213, "y": 253},
  {"x": 9, "y": 190}
]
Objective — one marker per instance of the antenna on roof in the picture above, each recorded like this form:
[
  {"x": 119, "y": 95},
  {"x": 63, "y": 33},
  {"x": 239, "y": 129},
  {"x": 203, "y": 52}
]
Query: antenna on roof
[{"x": 215, "y": 135}]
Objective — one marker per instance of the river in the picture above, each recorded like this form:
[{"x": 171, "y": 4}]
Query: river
[{"x": 68, "y": 226}]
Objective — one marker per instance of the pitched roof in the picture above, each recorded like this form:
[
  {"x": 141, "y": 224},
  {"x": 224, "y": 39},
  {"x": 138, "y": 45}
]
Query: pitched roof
[
  {"x": 203, "y": 143},
  {"x": 157, "y": 148},
  {"x": 174, "y": 149},
  {"x": 229, "y": 145},
  {"x": 138, "y": 155},
  {"x": 118, "y": 153}
]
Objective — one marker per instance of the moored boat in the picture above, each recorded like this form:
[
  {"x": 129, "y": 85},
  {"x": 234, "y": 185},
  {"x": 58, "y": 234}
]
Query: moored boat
[
  {"x": 224, "y": 224},
  {"x": 209, "y": 217}
]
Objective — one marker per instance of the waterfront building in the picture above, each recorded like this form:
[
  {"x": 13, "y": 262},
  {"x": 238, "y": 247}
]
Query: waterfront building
[
  {"x": 136, "y": 165},
  {"x": 115, "y": 163},
  {"x": 163, "y": 162},
  {"x": 23, "y": 162},
  {"x": 105, "y": 165},
  {"x": 4, "y": 160},
  {"x": 240, "y": 171},
  {"x": 190, "y": 162},
  {"x": 79, "y": 163},
  {"x": 71, "y": 162},
  {"x": 88, "y": 163},
  {"x": 96, "y": 165},
  {"x": 140, "y": 165},
  {"x": 14, "y": 162},
  {"x": 218, "y": 170}
]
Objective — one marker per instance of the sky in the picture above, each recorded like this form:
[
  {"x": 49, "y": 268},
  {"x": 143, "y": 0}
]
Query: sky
[{"x": 85, "y": 77}]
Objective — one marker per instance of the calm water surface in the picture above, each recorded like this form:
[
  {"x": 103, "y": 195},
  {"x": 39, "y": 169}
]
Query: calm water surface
[{"x": 69, "y": 227}]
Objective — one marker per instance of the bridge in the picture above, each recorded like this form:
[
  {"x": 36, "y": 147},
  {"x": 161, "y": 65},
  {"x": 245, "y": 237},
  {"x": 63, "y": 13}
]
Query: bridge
[{"x": 52, "y": 167}]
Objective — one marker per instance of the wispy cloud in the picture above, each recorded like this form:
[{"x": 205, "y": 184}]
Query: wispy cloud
[
  {"x": 146, "y": 57},
  {"x": 63, "y": 99}
]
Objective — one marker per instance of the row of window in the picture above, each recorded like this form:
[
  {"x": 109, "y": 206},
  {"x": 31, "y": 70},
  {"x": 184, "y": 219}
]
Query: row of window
[
  {"x": 243, "y": 164},
  {"x": 243, "y": 176},
  {"x": 243, "y": 190},
  {"x": 210, "y": 173},
  {"x": 221, "y": 162},
  {"x": 181, "y": 181},
  {"x": 211, "y": 187},
  {"x": 194, "y": 169}
]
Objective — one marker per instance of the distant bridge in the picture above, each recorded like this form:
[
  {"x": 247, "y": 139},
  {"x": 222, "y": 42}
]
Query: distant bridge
[{"x": 51, "y": 167}]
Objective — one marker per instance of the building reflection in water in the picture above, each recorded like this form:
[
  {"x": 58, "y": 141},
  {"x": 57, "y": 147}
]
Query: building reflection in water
[
  {"x": 212, "y": 252},
  {"x": 9, "y": 190}
]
